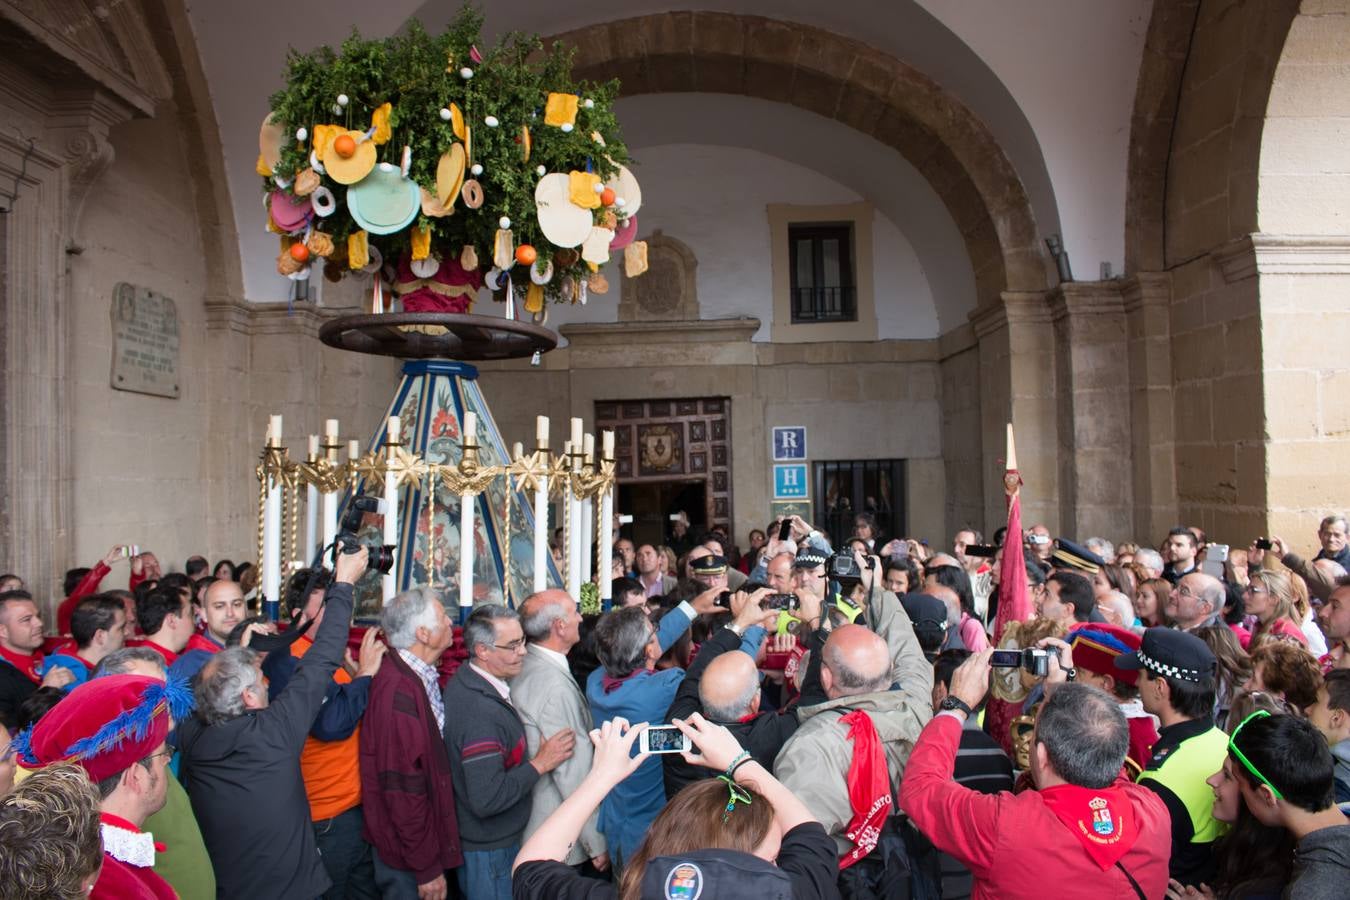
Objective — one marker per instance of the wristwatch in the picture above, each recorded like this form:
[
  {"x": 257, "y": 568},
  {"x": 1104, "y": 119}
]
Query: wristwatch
[
  {"x": 735, "y": 629},
  {"x": 1070, "y": 673},
  {"x": 951, "y": 701}
]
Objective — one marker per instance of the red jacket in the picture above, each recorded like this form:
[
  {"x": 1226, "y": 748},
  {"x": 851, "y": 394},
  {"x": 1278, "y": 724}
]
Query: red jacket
[
  {"x": 87, "y": 587},
  {"x": 123, "y": 881},
  {"x": 408, "y": 799},
  {"x": 1012, "y": 843}
]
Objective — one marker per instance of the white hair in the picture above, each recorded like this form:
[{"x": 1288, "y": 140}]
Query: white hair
[
  {"x": 415, "y": 608},
  {"x": 1149, "y": 559},
  {"x": 1102, "y": 547}
]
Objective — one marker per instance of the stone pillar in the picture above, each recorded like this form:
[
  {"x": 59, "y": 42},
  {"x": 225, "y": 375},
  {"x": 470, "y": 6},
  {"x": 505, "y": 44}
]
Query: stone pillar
[
  {"x": 1093, "y": 410},
  {"x": 1152, "y": 447},
  {"x": 1302, "y": 282},
  {"x": 69, "y": 149},
  {"x": 1018, "y": 384}
]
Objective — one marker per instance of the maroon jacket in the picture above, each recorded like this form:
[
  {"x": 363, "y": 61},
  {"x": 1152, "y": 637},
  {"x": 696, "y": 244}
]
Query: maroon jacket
[{"x": 408, "y": 800}]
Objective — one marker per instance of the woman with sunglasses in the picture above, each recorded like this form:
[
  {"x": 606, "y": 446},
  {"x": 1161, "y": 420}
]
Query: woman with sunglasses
[
  {"x": 1270, "y": 597},
  {"x": 743, "y": 824}
]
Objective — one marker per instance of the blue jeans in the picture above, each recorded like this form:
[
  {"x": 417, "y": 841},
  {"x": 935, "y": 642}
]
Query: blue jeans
[
  {"x": 394, "y": 884},
  {"x": 486, "y": 874},
  {"x": 346, "y": 857}
]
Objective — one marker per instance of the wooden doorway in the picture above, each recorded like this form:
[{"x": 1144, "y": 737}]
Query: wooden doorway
[{"x": 671, "y": 455}]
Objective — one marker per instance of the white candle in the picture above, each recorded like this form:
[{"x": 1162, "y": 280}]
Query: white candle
[
  {"x": 311, "y": 506},
  {"x": 353, "y": 450},
  {"x": 607, "y": 530},
  {"x": 588, "y": 447},
  {"x": 466, "y": 504},
  {"x": 541, "y": 525},
  {"x": 541, "y": 431},
  {"x": 391, "y": 433},
  {"x": 517, "y": 450},
  {"x": 471, "y": 429},
  {"x": 274, "y": 431},
  {"x": 389, "y": 583},
  {"x": 271, "y": 561},
  {"x": 576, "y": 434},
  {"x": 607, "y": 445},
  {"x": 587, "y": 538},
  {"x": 330, "y": 430}
]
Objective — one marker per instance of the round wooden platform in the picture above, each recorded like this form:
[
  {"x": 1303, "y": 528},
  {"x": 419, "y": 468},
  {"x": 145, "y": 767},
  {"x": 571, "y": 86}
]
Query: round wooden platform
[{"x": 461, "y": 336}]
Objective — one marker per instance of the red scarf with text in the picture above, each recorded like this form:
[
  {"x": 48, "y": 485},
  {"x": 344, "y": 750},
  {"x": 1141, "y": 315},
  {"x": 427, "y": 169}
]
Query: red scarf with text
[
  {"x": 869, "y": 787},
  {"x": 1102, "y": 820}
]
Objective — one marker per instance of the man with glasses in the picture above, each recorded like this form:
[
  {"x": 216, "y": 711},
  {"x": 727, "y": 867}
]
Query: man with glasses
[
  {"x": 1284, "y": 772},
  {"x": 115, "y": 728},
  {"x": 1176, "y": 684},
  {"x": 1196, "y": 601},
  {"x": 485, "y": 737}
]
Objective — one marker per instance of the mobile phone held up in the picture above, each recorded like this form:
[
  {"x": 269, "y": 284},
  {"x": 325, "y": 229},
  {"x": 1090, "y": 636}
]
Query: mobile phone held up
[
  {"x": 785, "y": 530},
  {"x": 1264, "y": 544},
  {"x": 663, "y": 739}
]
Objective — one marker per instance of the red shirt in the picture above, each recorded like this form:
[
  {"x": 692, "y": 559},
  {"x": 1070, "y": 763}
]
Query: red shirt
[
  {"x": 169, "y": 656},
  {"x": 203, "y": 642},
  {"x": 27, "y": 663},
  {"x": 118, "y": 880},
  {"x": 1013, "y": 842}
]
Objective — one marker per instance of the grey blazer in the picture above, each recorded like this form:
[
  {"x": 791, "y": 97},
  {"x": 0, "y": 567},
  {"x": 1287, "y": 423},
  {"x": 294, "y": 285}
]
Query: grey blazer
[{"x": 548, "y": 700}]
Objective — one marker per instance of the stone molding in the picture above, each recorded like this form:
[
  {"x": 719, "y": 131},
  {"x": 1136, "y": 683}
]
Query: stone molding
[
  {"x": 1016, "y": 308},
  {"x": 242, "y": 317},
  {"x": 1086, "y": 298},
  {"x": 1283, "y": 254},
  {"x": 1146, "y": 289},
  {"x": 590, "y": 335}
]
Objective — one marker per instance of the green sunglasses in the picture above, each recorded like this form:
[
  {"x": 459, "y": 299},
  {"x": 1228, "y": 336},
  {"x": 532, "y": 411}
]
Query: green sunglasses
[{"x": 1233, "y": 748}]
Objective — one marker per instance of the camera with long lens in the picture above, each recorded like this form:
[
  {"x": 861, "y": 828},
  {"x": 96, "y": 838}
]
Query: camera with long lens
[{"x": 348, "y": 541}]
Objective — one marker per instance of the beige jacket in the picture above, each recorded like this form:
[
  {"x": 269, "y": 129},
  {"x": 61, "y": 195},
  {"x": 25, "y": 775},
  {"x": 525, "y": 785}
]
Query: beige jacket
[
  {"x": 814, "y": 763},
  {"x": 548, "y": 700}
]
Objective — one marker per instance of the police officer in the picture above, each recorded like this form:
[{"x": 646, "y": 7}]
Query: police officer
[{"x": 1176, "y": 684}]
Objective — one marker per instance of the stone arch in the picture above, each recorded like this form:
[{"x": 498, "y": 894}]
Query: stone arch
[
  {"x": 1195, "y": 139},
  {"x": 846, "y": 80}
]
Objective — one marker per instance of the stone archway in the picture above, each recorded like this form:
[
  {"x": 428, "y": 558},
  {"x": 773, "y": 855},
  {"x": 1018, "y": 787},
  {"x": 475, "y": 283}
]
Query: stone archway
[{"x": 853, "y": 83}]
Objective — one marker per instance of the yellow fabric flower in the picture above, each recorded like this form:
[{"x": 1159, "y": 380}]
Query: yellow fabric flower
[{"x": 379, "y": 120}]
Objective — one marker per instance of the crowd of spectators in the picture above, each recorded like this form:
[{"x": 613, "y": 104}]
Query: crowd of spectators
[{"x": 879, "y": 721}]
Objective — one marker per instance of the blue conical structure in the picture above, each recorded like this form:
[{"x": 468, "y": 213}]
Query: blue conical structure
[{"x": 430, "y": 403}]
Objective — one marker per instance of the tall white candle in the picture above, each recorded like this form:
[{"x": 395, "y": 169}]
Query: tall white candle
[
  {"x": 588, "y": 447},
  {"x": 576, "y": 435},
  {"x": 311, "y": 505},
  {"x": 606, "y": 523},
  {"x": 587, "y": 539},
  {"x": 274, "y": 431},
  {"x": 517, "y": 450},
  {"x": 471, "y": 428},
  {"x": 271, "y": 561},
  {"x": 541, "y": 527},
  {"x": 330, "y": 431},
  {"x": 389, "y": 583},
  {"x": 353, "y": 450},
  {"x": 466, "y": 504},
  {"x": 541, "y": 431}
]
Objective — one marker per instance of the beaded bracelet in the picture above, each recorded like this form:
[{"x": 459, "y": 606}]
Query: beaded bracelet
[{"x": 740, "y": 760}]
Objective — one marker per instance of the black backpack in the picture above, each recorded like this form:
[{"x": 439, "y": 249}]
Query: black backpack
[{"x": 904, "y": 865}]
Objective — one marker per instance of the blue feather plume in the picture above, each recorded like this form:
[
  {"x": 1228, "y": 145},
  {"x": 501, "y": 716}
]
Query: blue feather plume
[{"x": 134, "y": 724}]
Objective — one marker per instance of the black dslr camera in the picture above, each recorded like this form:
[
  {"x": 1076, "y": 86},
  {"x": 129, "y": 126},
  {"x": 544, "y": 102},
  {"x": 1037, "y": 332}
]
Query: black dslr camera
[{"x": 348, "y": 541}]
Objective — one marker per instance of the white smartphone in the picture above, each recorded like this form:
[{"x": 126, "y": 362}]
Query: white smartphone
[{"x": 663, "y": 739}]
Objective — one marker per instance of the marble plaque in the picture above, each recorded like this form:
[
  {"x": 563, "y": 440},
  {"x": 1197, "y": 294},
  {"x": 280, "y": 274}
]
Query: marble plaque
[{"x": 145, "y": 342}]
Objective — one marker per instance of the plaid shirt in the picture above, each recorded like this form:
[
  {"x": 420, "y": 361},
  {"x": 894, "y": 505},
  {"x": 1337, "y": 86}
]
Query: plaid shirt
[{"x": 430, "y": 682}]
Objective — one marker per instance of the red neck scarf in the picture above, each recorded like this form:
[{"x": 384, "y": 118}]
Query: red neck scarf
[
  {"x": 27, "y": 663},
  {"x": 203, "y": 642},
  {"x": 1102, "y": 820},
  {"x": 869, "y": 787}
]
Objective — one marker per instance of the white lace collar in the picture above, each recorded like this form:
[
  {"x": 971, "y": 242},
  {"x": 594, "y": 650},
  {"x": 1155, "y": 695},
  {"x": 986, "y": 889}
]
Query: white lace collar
[{"x": 135, "y": 848}]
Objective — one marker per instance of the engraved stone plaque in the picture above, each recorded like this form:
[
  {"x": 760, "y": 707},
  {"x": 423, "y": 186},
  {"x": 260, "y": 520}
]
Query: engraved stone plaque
[{"x": 145, "y": 342}]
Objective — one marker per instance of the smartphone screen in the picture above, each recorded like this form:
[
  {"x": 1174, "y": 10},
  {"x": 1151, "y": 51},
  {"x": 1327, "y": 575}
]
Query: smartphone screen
[
  {"x": 664, "y": 739},
  {"x": 785, "y": 530},
  {"x": 1006, "y": 659}
]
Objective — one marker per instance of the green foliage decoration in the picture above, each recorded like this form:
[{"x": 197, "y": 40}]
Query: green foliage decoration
[{"x": 419, "y": 74}]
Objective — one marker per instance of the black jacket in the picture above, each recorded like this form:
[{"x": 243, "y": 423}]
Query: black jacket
[
  {"x": 243, "y": 777},
  {"x": 15, "y": 687},
  {"x": 763, "y": 736}
]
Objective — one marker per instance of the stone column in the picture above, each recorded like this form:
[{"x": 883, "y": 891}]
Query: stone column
[
  {"x": 1152, "y": 446},
  {"x": 1018, "y": 384},
  {"x": 1093, "y": 410}
]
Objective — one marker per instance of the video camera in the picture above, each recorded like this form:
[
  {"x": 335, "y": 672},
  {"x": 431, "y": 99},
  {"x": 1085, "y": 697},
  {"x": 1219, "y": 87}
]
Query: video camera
[{"x": 348, "y": 541}]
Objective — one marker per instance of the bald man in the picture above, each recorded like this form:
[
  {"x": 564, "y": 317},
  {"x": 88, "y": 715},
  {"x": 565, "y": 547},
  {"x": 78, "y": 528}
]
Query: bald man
[
  {"x": 222, "y": 608},
  {"x": 722, "y": 683},
  {"x": 549, "y": 701},
  {"x": 856, "y": 674},
  {"x": 1196, "y": 600}
]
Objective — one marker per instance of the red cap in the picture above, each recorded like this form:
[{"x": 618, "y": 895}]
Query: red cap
[
  {"x": 1096, "y": 646},
  {"x": 106, "y": 725}
]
